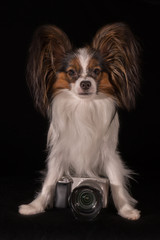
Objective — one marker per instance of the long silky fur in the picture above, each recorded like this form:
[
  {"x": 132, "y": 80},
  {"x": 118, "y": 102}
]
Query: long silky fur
[
  {"x": 48, "y": 47},
  {"x": 120, "y": 50},
  {"x": 79, "y": 127},
  {"x": 83, "y": 133}
]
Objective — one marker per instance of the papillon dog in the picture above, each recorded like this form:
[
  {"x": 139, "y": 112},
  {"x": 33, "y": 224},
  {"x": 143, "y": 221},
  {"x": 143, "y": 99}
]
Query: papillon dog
[{"x": 80, "y": 91}]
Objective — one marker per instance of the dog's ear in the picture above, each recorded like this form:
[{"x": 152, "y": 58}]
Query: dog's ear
[
  {"x": 48, "y": 47},
  {"x": 120, "y": 51}
]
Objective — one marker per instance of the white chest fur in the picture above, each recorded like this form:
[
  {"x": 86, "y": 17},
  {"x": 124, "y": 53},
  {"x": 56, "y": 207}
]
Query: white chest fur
[{"x": 78, "y": 130}]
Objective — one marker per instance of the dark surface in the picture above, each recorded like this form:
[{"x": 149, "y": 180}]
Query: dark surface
[
  {"x": 60, "y": 224},
  {"x": 24, "y": 131}
]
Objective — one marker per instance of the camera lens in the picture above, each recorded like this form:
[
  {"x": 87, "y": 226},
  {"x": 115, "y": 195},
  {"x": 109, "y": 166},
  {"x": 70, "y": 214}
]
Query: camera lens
[
  {"x": 86, "y": 199},
  {"x": 86, "y": 202}
]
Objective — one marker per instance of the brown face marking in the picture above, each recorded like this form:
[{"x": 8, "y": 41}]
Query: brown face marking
[
  {"x": 94, "y": 69},
  {"x": 74, "y": 69},
  {"x": 105, "y": 85},
  {"x": 93, "y": 63},
  {"x": 101, "y": 77},
  {"x": 61, "y": 83}
]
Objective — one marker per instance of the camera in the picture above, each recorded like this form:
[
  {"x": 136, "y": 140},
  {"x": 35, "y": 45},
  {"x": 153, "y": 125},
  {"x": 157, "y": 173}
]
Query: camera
[{"x": 85, "y": 196}]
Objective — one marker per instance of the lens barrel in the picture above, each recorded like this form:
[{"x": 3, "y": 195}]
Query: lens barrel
[{"x": 86, "y": 201}]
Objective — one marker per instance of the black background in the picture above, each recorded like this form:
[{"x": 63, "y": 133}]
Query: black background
[{"x": 24, "y": 130}]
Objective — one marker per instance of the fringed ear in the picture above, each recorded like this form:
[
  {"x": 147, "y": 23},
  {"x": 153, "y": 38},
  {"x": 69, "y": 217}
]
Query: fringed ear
[
  {"x": 120, "y": 51},
  {"x": 48, "y": 47}
]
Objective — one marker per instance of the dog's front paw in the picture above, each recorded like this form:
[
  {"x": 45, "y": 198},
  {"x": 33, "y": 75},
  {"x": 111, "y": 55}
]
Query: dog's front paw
[
  {"x": 129, "y": 213},
  {"x": 30, "y": 209}
]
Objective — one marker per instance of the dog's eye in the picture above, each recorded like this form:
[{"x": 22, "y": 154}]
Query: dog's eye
[
  {"x": 71, "y": 72},
  {"x": 97, "y": 71}
]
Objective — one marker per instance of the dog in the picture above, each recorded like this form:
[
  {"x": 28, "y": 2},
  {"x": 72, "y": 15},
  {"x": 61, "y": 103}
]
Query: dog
[{"x": 80, "y": 91}]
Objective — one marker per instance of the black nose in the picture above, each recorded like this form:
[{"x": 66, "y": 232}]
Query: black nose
[{"x": 85, "y": 85}]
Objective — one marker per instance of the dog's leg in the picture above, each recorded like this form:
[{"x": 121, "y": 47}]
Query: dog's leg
[
  {"x": 45, "y": 197},
  {"x": 117, "y": 175}
]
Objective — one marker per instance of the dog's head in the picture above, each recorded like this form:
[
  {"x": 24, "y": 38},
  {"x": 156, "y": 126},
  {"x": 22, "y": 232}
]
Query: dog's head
[{"x": 109, "y": 66}]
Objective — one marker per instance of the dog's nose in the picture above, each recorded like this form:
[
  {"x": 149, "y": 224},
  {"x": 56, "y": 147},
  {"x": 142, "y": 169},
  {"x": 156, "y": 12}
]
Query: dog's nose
[{"x": 85, "y": 85}]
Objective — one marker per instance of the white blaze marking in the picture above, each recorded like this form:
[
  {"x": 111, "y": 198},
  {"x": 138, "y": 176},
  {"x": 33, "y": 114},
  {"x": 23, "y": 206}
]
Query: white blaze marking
[{"x": 84, "y": 58}]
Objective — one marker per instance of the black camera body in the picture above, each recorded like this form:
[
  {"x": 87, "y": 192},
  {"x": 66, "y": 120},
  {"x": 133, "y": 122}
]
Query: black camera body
[{"x": 85, "y": 196}]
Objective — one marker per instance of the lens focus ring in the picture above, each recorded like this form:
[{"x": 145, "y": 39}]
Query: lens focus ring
[
  {"x": 86, "y": 202},
  {"x": 86, "y": 199}
]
